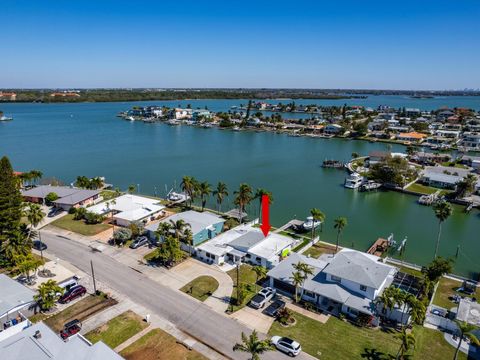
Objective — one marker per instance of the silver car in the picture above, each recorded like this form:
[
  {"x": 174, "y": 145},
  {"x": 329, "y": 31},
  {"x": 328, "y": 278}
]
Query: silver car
[{"x": 286, "y": 345}]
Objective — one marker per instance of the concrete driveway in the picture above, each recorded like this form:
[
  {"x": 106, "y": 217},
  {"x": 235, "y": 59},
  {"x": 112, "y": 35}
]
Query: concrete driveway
[{"x": 254, "y": 319}]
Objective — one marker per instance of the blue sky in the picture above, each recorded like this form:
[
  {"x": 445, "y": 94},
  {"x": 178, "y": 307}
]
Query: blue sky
[{"x": 313, "y": 44}]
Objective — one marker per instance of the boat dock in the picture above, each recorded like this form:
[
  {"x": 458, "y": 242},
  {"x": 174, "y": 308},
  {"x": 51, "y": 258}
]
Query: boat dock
[
  {"x": 379, "y": 247},
  {"x": 428, "y": 199},
  {"x": 335, "y": 164}
]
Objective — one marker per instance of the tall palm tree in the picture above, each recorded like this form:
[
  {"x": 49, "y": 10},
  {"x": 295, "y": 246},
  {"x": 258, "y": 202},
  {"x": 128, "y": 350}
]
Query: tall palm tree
[
  {"x": 442, "y": 210},
  {"x": 34, "y": 215},
  {"x": 386, "y": 299},
  {"x": 339, "y": 224},
  {"x": 317, "y": 216},
  {"x": 187, "y": 184},
  {"x": 243, "y": 197},
  {"x": 179, "y": 226},
  {"x": 188, "y": 238},
  {"x": 164, "y": 229},
  {"x": 260, "y": 272},
  {"x": 35, "y": 175},
  {"x": 258, "y": 195},
  {"x": 253, "y": 345},
  {"x": 466, "y": 186},
  {"x": 131, "y": 189},
  {"x": 407, "y": 341},
  {"x": 220, "y": 192},
  {"x": 204, "y": 190},
  {"x": 466, "y": 330},
  {"x": 297, "y": 280},
  {"x": 417, "y": 310}
]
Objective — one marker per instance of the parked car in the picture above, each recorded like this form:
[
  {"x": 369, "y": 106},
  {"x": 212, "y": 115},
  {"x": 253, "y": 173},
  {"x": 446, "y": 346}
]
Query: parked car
[
  {"x": 70, "y": 328},
  {"x": 55, "y": 212},
  {"x": 69, "y": 283},
  {"x": 286, "y": 345},
  {"x": 139, "y": 241},
  {"x": 72, "y": 294},
  {"x": 259, "y": 300},
  {"x": 39, "y": 245},
  {"x": 274, "y": 307}
]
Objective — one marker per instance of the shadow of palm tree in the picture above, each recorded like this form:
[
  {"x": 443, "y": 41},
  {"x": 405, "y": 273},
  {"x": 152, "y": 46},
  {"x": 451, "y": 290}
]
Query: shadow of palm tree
[{"x": 373, "y": 354}]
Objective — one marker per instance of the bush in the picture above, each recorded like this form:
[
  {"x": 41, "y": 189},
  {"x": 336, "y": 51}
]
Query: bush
[
  {"x": 137, "y": 228},
  {"x": 122, "y": 235},
  {"x": 284, "y": 316},
  {"x": 92, "y": 218},
  {"x": 72, "y": 210},
  {"x": 80, "y": 214},
  {"x": 50, "y": 198}
]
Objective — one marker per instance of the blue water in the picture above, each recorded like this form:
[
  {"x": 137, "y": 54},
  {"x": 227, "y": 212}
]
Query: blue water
[{"x": 67, "y": 140}]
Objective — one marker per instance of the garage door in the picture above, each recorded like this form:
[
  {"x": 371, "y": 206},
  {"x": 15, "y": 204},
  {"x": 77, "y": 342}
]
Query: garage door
[{"x": 284, "y": 287}]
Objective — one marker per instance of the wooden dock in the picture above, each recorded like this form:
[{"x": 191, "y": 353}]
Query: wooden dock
[{"x": 379, "y": 247}]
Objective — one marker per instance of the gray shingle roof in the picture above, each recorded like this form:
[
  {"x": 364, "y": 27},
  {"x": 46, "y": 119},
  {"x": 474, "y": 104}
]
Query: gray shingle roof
[
  {"x": 13, "y": 294},
  {"x": 66, "y": 195},
  {"x": 358, "y": 267}
]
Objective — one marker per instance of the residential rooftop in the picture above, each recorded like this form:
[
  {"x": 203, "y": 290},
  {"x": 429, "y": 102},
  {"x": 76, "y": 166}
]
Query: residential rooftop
[{"x": 13, "y": 294}]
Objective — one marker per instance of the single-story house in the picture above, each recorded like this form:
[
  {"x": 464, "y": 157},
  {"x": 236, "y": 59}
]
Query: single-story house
[
  {"x": 444, "y": 177},
  {"x": 333, "y": 129},
  {"x": 431, "y": 158},
  {"x": 129, "y": 208},
  {"x": 248, "y": 244},
  {"x": 204, "y": 225},
  {"x": 471, "y": 141},
  {"x": 411, "y": 136},
  {"x": 68, "y": 197},
  {"x": 40, "y": 342},
  {"x": 16, "y": 301},
  {"x": 348, "y": 282}
]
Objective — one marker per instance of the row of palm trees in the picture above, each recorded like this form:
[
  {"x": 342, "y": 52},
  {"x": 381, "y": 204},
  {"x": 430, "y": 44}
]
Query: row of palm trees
[{"x": 202, "y": 190}]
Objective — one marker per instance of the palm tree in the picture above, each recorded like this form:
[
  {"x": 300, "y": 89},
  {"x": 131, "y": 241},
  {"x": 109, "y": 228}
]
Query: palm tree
[
  {"x": 466, "y": 330},
  {"x": 258, "y": 195},
  {"x": 204, "y": 190},
  {"x": 253, "y": 345},
  {"x": 243, "y": 197},
  {"x": 407, "y": 341},
  {"x": 442, "y": 210},
  {"x": 386, "y": 299},
  {"x": 339, "y": 224},
  {"x": 131, "y": 189},
  {"x": 35, "y": 175},
  {"x": 297, "y": 280},
  {"x": 164, "y": 229},
  {"x": 188, "y": 238},
  {"x": 179, "y": 226},
  {"x": 466, "y": 186},
  {"x": 417, "y": 310},
  {"x": 34, "y": 215},
  {"x": 220, "y": 192},
  {"x": 260, "y": 272},
  {"x": 317, "y": 216}
]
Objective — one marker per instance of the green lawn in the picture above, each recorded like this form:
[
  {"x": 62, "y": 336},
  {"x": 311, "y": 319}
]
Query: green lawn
[
  {"x": 318, "y": 249},
  {"x": 81, "y": 310},
  {"x": 78, "y": 226},
  {"x": 247, "y": 277},
  {"x": 201, "y": 288},
  {"x": 337, "y": 339},
  {"x": 159, "y": 345},
  {"x": 118, "y": 330},
  {"x": 446, "y": 288},
  {"x": 427, "y": 190}
]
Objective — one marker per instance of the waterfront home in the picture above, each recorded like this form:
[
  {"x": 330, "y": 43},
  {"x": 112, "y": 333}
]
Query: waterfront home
[
  {"x": 377, "y": 125},
  {"x": 471, "y": 141},
  {"x": 248, "y": 244},
  {"x": 181, "y": 114},
  {"x": 348, "y": 282},
  {"x": 8, "y": 96},
  {"x": 444, "y": 177},
  {"x": 204, "y": 225},
  {"x": 411, "y": 136},
  {"x": 431, "y": 158},
  {"x": 412, "y": 112},
  {"x": 68, "y": 197},
  {"x": 449, "y": 134},
  {"x": 472, "y": 161},
  {"x": 199, "y": 114},
  {"x": 16, "y": 301},
  {"x": 129, "y": 208},
  {"x": 40, "y": 342},
  {"x": 333, "y": 129}
]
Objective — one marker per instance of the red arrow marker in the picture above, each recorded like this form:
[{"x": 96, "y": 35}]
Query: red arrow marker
[{"x": 265, "y": 215}]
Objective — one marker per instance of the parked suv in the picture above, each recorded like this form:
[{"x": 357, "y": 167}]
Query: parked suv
[
  {"x": 259, "y": 300},
  {"x": 72, "y": 294},
  {"x": 55, "y": 212},
  {"x": 286, "y": 345},
  {"x": 139, "y": 241},
  {"x": 71, "y": 328}
]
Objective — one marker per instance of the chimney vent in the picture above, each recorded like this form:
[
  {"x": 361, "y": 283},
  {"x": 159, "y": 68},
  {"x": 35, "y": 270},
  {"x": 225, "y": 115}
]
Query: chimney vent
[{"x": 37, "y": 335}]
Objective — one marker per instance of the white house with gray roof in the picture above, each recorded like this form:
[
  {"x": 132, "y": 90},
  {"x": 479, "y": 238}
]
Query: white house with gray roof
[
  {"x": 39, "y": 342},
  {"x": 67, "y": 196},
  {"x": 348, "y": 282}
]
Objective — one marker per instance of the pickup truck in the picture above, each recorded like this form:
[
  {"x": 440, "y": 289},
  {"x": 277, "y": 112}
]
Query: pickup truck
[{"x": 263, "y": 296}]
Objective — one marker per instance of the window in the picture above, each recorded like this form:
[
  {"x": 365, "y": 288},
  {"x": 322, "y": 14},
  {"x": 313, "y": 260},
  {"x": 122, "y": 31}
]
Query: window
[
  {"x": 363, "y": 288},
  {"x": 336, "y": 279},
  {"x": 309, "y": 294}
]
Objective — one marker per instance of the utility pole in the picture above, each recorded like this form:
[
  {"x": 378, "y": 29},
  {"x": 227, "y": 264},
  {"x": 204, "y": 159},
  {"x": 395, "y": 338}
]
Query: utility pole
[
  {"x": 238, "y": 282},
  {"x": 93, "y": 276}
]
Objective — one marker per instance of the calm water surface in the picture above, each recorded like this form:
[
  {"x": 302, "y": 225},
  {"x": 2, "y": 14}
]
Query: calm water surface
[{"x": 66, "y": 140}]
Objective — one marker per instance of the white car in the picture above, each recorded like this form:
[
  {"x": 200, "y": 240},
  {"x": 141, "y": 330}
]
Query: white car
[
  {"x": 263, "y": 296},
  {"x": 286, "y": 345}
]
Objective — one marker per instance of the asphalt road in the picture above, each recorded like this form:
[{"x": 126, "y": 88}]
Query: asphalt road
[{"x": 190, "y": 316}]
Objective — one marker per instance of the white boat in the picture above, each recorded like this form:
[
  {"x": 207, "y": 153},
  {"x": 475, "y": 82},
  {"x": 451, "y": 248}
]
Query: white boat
[
  {"x": 310, "y": 223},
  {"x": 5, "y": 118},
  {"x": 173, "y": 122},
  {"x": 177, "y": 197},
  {"x": 354, "y": 181},
  {"x": 236, "y": 128},
  {"x": 130, "y": 118}
]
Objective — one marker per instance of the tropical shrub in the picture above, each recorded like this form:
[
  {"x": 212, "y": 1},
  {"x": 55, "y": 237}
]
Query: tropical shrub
[
  {"x": 122, "y": 235},
  {"x": 50, "y": 198}
]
